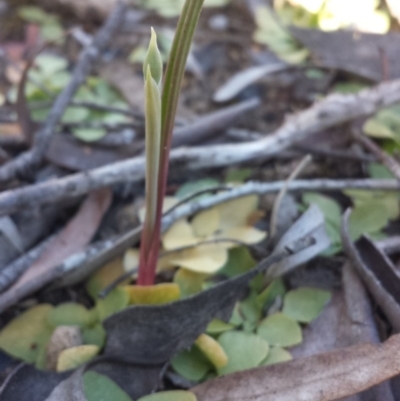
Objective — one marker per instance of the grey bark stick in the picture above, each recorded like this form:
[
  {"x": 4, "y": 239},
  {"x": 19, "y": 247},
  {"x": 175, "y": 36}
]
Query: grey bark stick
[{"x": 333, "y": 110}]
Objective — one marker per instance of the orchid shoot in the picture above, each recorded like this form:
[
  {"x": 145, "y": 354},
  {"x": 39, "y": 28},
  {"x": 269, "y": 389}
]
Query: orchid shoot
[{"x": 160, "y": 110}]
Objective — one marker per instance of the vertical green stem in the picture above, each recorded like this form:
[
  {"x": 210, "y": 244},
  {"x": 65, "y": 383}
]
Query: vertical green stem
[{"x": 172, "y": 85}]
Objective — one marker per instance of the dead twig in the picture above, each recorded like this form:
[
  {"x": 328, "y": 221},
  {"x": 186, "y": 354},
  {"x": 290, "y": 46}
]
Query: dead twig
[
  {"x": 333, "y": 110},
  {"x": 33, "y": 158},
  {"x": 282, "y": 193},
  {"x": 53, "y": 191},
  {"x": 392, "y": 165}
]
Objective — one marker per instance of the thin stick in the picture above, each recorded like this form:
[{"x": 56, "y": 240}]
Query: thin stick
[
  {"x": 392, "y": 165},
  {"x": 33, "y": 158},
  {"x": 333, "y": 110},
  {"x": 52, "y": 192},
  {"x": 282, "y": 193}
]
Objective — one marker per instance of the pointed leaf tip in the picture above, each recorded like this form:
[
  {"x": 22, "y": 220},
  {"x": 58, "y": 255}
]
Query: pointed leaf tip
[{"x": 153, "y": 60}]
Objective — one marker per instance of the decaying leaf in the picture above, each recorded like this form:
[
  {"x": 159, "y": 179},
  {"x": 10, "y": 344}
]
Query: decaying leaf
[
  {"x": 356, "y": 54},
  {"x": 324, "y": 377},
  {"x": 63, "y": 337},
  {"x": 30, "y": 383},
  {"x": 377, "y": 272},
  {"x": 72, "y": 239}
]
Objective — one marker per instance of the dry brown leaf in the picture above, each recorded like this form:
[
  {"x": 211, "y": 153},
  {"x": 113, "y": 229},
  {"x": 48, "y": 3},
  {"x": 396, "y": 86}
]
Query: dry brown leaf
[
  {"x": 377, "y": 271},
  {"x": 324, "y": 377},
  {"x": 63, "y": 337},
  {"x": 73, "y": 238}
]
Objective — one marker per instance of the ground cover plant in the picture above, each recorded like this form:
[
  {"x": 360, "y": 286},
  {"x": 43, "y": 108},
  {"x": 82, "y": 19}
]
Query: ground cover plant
[{"x": 198, "y": 201}]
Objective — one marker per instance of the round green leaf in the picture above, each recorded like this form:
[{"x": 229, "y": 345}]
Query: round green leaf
[
  {"x": 189, "y": 282},
  {"x": 305, "y": 304},
  {"x": 50, "y": 64},
  {"x": 99, "y": 387},
  {"x": 73, "y": 357},
  {"x": 276, "y": 355},
  {"x": 268, "y": 296},
  {"x": 26, "y": 335},
  {"x": 176, "y": 395},
  {"x": 69, "y": 314},
  {"x": 244, "y": 351},
  {"x": 95, "y": 335},
  {"x": 217, "y": 326},
  {"x": 329, "y": 207},
  {"x": 280, "y": 330},
  {"x": 114, "y": 302},
  {"x": 195, "y": 186},
  {"x": 239, "y": 261},
  {"x": 89, "y": 134},
  {"x": 191, "y": 364},
  {"x": 75, "y": 115},
  {"x": 32, "y": 14},
  {"x": 367, "y": 218}
]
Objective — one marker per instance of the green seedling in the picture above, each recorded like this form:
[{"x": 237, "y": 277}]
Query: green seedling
[{"x": 160, "y": 110}]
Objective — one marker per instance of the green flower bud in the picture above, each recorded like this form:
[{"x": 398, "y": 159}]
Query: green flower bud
[{"x": 153, "y": 60}]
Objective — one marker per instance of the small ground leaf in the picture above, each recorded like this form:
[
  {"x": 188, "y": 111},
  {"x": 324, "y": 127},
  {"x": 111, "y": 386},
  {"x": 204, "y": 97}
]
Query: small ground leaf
[
  {"x": 212, "y": 350},
  {"x": 235, "y": 213},
  {"x": 73, "y": 357},
  {"x": 239, "y": 261},
  {"x": 305, "y": 304},
  {"x": 366, "y": 218},
  {"x": 115, "y": 301},
  {"x": 268, "y": 296},
  {"x": 206, "y": 259},
  {"x": 100, "y": 388},
  {"x": 195, "y": 186},
  {"x": 95, "y": 335},
  {"x": 192, "y": 364},
  {"x": 103, "y": 277},
  {"x": 26, "y": 335},
  {"x": 217, "y": 326},
  {"x": 277, "y": 355},
  {"x": 280, "y": 330},
  {"x": 153, "y": 295},
  {"x": 244, "y": 350},
  {"x": 189, "y": 282},
  {"x": 69, "y": 314},
  {"x": 206, "y": 223},
  {"x": 89, "y": 134},
  {"x": 176, "y": 395}
]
